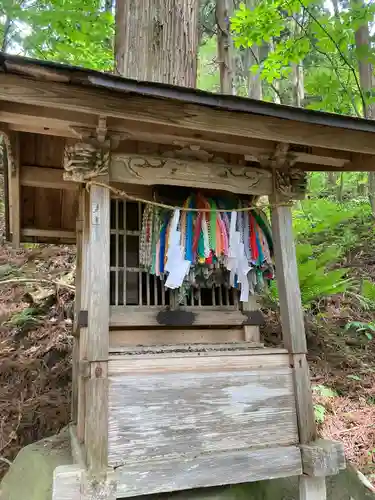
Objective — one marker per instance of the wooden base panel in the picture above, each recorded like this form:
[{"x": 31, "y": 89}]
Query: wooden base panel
[
  {"x": 141, "y": 478},
  {"x": 161, "y": 336}
]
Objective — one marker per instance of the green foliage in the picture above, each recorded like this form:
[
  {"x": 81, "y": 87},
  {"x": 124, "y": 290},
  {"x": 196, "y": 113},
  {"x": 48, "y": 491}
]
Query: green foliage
[
  {"x": 307, "y": 32},
  {"x": 28, "y": 317},
  {"x": 320, "y": 413},
  {"x": 316, "y": 280},
  {"x": 324, "y": 391},
  {"x": 78, "y": 32},
  {"x": 361, "y": 327}
]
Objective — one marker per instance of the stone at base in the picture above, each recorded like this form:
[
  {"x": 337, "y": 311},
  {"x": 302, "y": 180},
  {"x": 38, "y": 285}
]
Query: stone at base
[{"x": 31, "y": 475}]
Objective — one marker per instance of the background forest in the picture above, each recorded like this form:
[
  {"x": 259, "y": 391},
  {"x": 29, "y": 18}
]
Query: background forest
[{"x": 307, "y": 53}]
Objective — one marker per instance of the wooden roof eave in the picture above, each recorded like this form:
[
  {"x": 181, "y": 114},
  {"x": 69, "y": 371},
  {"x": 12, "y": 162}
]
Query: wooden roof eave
[{"x": 57, "y": 108}]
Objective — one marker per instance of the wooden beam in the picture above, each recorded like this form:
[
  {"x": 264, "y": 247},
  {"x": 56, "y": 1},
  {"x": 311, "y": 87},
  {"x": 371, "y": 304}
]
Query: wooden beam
[
  {"x": 323, "y": 458},
  {"x": 35, "y": 129},
  {"x": 129, "y": 316},
  {"x": 48, "y": 233},
  {"x": 45, "y": 177},
  {"x": 150, "y": 170},
  {"x": 181, "y": 115}
]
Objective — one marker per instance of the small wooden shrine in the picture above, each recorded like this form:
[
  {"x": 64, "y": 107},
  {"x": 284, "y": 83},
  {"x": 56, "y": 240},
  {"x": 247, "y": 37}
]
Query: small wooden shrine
[{"x": 161, "y": 189}]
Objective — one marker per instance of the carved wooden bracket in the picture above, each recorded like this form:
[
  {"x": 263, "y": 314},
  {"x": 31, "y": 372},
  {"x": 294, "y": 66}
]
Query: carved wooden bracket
[
  {"x": 91, "y": 156},
  {"x": 291, "y": 183}
]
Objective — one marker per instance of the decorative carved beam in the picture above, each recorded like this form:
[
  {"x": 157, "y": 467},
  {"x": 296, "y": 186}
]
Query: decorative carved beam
[{"x": 150, "y": 170}]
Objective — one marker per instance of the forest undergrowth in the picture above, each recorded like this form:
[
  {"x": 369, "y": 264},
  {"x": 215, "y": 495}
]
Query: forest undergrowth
[{"x": 337, "y": 275}]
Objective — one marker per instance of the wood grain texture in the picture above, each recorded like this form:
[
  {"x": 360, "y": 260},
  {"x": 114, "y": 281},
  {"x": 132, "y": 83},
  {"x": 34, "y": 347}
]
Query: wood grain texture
[
  {"x": 304, "y": 401},
  {"x": 287, "y": 280},
  {"x": 153, "y": 336},
  {"x": 141, "y": 478},
  {"x": 96, "y": 424},
  {"x": 97, "y": 347},
  {"x": 84, "y": 218},
  {"x": 147, "y": 317},
  {"x": 222, "y": 362},
  {"x": 312, "y": 488},
  {"x": 151, "y": 170},
  {"x": 323, "y": 458},
  {"x": 45, "y": 177},
  {"x": 166, "y": 415},
  {"x": 181, "y": 115}
]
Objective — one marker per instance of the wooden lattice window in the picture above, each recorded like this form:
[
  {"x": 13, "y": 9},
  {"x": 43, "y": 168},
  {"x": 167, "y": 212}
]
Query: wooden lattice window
[{"x": 129, "y": 286}]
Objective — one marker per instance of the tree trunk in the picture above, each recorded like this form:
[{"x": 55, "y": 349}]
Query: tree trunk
[
  {"x": 254, "y": 82},
  {"x": 362, "y": 39},
  {"x": 224, "y": 45},
  {"x": 157, "y": 40}
]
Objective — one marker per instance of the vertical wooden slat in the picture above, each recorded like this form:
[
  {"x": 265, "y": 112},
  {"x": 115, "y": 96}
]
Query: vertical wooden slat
[
  {"x": 140, "y": 272},
  {"x": 148, "y": 288},
  {"x": 213, "y": 296},
  {"x": 116, "y": 205},
  {"x": 294, "y": 336},
  {"x": 162, "y": 292},
  {"x": 226, "y": 296},
  {"x": 125, "y": 246},
  {"x": 156, "y": 301},
  {"x": 96, "y": 429},
  {"x": 15, "y": 189},
  {"x": 199, "y": 297}
]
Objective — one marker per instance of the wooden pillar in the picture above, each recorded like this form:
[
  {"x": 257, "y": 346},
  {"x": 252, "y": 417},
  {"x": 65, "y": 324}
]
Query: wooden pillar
[
  {"x": 311, "y": 488},
  {"x": 96, "y": 423},
  {"x": 15, "y": 187}
]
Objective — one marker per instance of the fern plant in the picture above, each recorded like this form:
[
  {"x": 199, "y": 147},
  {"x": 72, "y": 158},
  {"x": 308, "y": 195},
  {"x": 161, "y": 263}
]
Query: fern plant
[{"x": 316, "y": 280}]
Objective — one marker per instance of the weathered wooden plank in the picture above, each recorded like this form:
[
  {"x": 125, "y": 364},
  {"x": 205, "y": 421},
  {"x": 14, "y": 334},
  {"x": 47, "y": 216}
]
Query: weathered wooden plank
[
  {"x": 45, "y": 177},
  {"x": 312, "y": 488},
  {"x": 142, "y": 478},
  {"x": 287, "y": 280},
  {"x": 97, "y": 348},
  {"x": 181, "y": 115},
  {"x": 150, "y": 170},
  {"x": 182, "y": 350},
  {"x": 30, "y": 232},
  {"x": 256, "y": 359},
  {"x": 150, "y": 316},
  {"x": 153, "y": 336},
  {"x": 165, "y": 415},
  {"x": 294, "y": 337},
  {"x": 96, "y": 424},
  {"x": 323, "y": 458}
]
